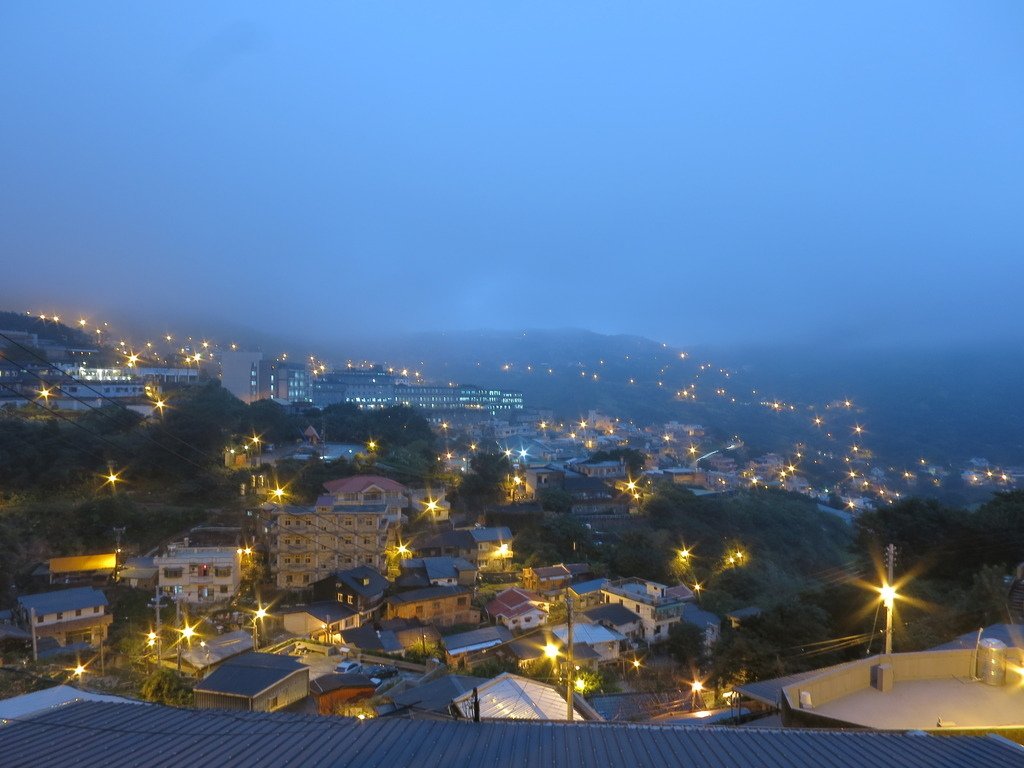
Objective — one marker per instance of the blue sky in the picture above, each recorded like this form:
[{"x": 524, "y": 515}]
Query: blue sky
[{"x": 699, "y": 172}]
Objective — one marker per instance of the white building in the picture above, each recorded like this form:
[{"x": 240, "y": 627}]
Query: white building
[
  {"x": 199, "y": 574},
  {"x": 658, "y": 606}
]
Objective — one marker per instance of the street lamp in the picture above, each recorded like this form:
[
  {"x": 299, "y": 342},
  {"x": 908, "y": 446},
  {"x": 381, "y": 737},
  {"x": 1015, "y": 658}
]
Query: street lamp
[
  {"x": 888, "y": 594},
  {"x": 260, "y": 614}
]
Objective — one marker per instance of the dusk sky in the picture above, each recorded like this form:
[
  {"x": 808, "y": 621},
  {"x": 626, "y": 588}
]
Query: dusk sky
[{"x": 698, "y": 172}]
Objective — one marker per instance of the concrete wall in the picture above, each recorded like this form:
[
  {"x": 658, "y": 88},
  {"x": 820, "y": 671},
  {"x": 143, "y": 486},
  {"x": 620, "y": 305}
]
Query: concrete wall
[{"x": 856, "y": 676}]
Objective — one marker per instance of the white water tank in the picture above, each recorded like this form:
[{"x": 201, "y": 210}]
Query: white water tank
[{"x": 992, "y": 661}]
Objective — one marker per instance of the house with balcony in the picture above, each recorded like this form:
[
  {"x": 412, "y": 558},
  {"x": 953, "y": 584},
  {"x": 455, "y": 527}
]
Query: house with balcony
[
  {"x": 361, "y": 588},
  {"x": 440, "y": 606},
  {"x": 554, "y": 578},
  {"x": 658, "y": 606},
  {"x": 69, "y": 616},
  {"x": 199, "y": 575}
]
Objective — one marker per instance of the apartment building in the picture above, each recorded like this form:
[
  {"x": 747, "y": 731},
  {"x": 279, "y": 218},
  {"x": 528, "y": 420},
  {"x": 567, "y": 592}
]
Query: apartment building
[
  {"x": 199, "y": 574},
  {"x": 353, "y": 524}
]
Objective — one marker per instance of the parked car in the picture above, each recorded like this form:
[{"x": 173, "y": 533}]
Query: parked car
[
  {"x": 379, "y": 673},
  {"x": 349, "y": 667}
]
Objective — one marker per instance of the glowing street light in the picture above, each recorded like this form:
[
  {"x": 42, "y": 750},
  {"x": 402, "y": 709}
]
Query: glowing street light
[
  {"x": 889, "y": 595},
  {"x": 258, "y": 616},
  {"x": 551, "y": 651}
]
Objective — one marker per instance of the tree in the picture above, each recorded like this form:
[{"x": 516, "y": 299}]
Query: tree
[
  {"x": 166, "y": 686},
  {"x": 685, "y": 644},
  {"x": 554, "y": 500}
]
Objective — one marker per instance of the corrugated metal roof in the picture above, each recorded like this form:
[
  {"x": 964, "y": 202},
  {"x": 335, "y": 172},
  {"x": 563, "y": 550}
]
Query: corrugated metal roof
[
  {"x": 497, "y": 533},
  {"x": 63, "y": 600},
  {"x": 95, "y": 735},
  {"x": 1011, "y": 634},
  {"x": 476, "y": 639},
  {"x": 614, "y": 613},
  {"x": 511, "y": 697},
  {"x": 104, "y": 562},
  {"x": 361, "y": 483},
  {"x": 249, "y": 674},
  {"x": 437, "y": 694}
]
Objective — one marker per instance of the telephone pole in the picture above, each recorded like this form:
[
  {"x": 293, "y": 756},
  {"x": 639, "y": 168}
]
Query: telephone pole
[{"x": 888, "y": 596}]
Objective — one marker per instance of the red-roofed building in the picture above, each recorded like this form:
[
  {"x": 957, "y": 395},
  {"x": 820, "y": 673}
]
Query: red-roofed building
[
  {"x": 517, "y": 609},
  {"x": 363, "y": 484}
]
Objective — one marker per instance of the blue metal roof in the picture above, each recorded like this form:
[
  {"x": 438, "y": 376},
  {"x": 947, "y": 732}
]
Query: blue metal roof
[
  {"x": 63, "y": 600},
  {"x": 249, "y": 674},
  {"x": 104, "y": 735}
]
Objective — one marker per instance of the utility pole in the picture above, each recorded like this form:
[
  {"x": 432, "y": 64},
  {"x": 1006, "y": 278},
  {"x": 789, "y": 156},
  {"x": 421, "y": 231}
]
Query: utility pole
[
  {"x": 159, "y": 637},
  {"x": 569, "y": 668},
  {"x": 32, "y": 626},
  {"x": 889, "y": 596}
]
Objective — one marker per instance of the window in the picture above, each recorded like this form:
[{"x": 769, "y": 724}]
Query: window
[
  {"x": 60, "y": 615},
  {"x": 39, "y": 619},
  {"x": 223, "y": 589},
  {"x": 78, "y": 612},
  {"x": 173, "y": 573},
  {"x": 288, "y": 579},
  {"x": 419, "y": 610},
  {"x": 222, "y": 572},
  {"x": 463, "y": 600}
]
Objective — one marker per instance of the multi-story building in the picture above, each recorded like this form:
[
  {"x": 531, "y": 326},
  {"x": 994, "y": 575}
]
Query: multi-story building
[
  {"x": 658, "y": 606},
  {"x": 361, "y": 588},
  {"x": 68, "y": 616},
  {"x": 490, "y": 549},
  {"x": 353, "y": 524},
  {"x": 375, "y": 387},
  {"x": 251, "y": 377},
  {"x": 440, "y": 606},
  {"x": 199, "y": 574}
]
